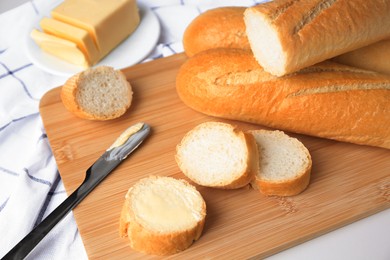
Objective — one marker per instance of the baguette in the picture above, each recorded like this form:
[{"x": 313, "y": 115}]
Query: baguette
[
  {"x": 218, "y": 155},
  {"x": 162, "y": 215},
  {"x": 288, "y": 35},
  {"x": 327, "y": 100},
  {"x": 285, "y": 164},
  {"x": 219, "y": 27},
  {"x": 375, "y": 57},
  {"x": 100, "y": 93},
  {"x": 224, "y": 27}
]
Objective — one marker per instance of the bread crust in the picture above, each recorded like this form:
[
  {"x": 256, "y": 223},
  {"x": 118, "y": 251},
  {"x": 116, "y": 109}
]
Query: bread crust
[
  {"x": 224, "y": 27},
  {"x": 309, "y": 32},
  {"x": 153, "y": 242},
  {"x": 216, "y": 28},
  {"x": 328, "y": 100},
  {"x": 375, "y": 57},
  {"x": 286, "y": 188},
  {"x": 69, "y": 96}
]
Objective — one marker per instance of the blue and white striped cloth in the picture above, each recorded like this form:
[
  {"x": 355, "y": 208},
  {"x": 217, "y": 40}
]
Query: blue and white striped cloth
[{"x": 30, "y": 184}]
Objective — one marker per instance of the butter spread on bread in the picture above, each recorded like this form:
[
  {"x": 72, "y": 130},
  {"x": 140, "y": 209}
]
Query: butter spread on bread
[{"x": 162, "y": 215}]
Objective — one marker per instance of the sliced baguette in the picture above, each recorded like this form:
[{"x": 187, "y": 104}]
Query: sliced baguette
[
  {"x": 100, "y": 93},
  {"x": 162, "y": 215},
  {"x": 285, "y": 164},
  {"x": 219, "y": 155},
  {"x": 286, "y": 35}
]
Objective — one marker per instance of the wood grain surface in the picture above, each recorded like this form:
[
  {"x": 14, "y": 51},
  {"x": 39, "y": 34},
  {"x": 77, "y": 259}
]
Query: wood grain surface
[{"x": 349, "y": 182}]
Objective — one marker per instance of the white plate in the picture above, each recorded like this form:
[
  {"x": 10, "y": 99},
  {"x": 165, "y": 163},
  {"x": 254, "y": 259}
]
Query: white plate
[{"x": 131, "y": 51}]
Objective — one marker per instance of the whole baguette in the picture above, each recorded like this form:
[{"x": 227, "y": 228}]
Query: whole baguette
[
  {"x": 224, "y": 27},
  {"x": 327, "y": 100},
  {"x": 287, "y": 35}
]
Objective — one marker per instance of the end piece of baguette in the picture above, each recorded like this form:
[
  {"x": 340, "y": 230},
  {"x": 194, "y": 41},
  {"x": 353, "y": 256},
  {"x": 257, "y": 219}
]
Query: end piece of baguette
[
  {"x": 285, "y": 164},
  {"x": 219, "y": 155},
  {"x": 100, "y": 93},
  {"x": 286, "y": 36},
  {"x": 162, "y": 215}
]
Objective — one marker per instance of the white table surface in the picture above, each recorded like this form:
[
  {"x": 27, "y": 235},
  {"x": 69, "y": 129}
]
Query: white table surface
[{"x": 365, "y": 239}]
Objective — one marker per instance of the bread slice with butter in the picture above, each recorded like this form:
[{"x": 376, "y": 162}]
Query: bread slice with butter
[
  {"x": 100, "y": 93},
  {"x": 219, "y": 155},
  {"x": 285, "y": 164},
  {"x": 162, "y": 215}
]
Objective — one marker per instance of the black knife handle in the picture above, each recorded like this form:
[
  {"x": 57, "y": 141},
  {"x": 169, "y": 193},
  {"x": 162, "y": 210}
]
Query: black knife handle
[
  {"x": 94, "y": 175},
  {"x": 27, "y": 244}
]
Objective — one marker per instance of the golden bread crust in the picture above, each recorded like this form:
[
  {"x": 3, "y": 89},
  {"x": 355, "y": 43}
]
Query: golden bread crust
[
  {"x": 326, "y": 100},
  {"x": 216, "y": 28},
  {"x": 310, "y": 31}
]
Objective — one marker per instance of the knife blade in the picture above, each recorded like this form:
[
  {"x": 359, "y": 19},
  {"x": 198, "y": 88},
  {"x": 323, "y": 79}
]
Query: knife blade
[{"x": 123, "y": 146}]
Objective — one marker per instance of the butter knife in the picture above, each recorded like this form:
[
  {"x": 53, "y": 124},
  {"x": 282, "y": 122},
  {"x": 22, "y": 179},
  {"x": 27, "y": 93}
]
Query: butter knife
[{"x": 126, "y": 143}]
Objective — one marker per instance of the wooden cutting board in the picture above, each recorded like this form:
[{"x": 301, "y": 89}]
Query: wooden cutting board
[{"x": 349, "y": 182}]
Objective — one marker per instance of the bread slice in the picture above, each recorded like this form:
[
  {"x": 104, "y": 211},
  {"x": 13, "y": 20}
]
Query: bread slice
[
  {"x": 219, "y": 155},
  {"x": 100, "y": 93},
  {"x": 162, "y": 215},
  {"x": 285, "y": 164}
]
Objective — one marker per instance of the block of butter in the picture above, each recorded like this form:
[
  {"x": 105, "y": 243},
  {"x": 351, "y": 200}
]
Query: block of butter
[{"x": 96, "y": 27}]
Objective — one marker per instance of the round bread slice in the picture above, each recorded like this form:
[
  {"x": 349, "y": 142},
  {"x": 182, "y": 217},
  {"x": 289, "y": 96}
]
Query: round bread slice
[
  {"x": 162, "y": 215},
  {"x": 219, "y": 155},
  {"x": 100, "y": 93},
  {"x": 285, "y": 164}
]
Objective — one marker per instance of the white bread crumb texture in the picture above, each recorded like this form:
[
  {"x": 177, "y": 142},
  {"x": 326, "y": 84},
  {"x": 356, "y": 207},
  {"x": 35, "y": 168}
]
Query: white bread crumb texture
[
  {"x": 213, "y": 154},
  {"x": 103, "y": 91},
  {"x": 282, "y": 158}
]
